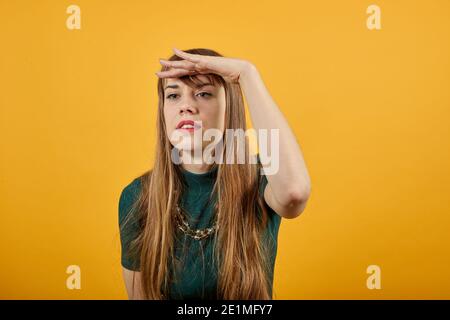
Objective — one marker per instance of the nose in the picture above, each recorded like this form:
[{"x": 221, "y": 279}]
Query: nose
[{"x": 188, "y": 106}]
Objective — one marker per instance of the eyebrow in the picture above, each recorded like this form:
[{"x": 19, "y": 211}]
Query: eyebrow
[{"x": 175, "y": 86}]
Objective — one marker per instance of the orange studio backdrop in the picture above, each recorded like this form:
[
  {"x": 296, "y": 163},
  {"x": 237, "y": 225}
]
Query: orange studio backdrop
[{"x": 363, "y": 84}]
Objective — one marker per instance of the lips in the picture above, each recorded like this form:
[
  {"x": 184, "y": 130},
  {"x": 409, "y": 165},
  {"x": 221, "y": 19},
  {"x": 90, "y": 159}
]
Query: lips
[{"x": 189, "y": 125}]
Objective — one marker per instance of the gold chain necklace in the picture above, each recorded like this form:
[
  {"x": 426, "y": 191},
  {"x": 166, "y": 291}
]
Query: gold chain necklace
[{"x": 184, "y": 226}]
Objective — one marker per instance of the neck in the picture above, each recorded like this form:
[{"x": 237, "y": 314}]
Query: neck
[
  {"x": 195, "y": 163},
  {"x": 197, "y": 168}
]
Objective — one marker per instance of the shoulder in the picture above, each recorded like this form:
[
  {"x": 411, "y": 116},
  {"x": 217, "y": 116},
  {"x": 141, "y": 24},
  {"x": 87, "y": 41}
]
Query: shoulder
[
  {"x": 130, "y": 222},
  {"x": 130, "y": 194}
]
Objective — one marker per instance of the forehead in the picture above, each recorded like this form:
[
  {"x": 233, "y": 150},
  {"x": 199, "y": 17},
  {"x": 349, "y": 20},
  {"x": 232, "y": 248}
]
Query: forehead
[{"x": 176, "y": 82}]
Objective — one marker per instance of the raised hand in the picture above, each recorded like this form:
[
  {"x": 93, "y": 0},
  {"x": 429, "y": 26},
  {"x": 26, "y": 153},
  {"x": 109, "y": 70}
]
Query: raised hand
[{"x": 230, "y": 69}]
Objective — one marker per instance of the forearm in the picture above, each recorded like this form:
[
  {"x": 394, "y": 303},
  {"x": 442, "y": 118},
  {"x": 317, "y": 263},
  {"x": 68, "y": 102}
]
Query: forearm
[{"x": 292, "y": 178}]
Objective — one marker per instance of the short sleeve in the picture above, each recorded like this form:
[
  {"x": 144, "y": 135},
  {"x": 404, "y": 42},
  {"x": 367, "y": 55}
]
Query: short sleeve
[
  {"x": 128, "y": 224},
  {"x": 262, "y": 187},
  {"x": 273, "y": 216},
  {"x": 274, "y": 221}
]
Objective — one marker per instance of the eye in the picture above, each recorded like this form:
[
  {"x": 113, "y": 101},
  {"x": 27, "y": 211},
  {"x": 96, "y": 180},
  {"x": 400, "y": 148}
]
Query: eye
[
  {"x": 169, "y": 96},
  {"x": 207, "y": 93}
]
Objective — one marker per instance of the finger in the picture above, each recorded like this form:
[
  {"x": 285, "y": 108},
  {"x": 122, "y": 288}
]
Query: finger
[
  {"x": 188, "y": 56},
  {"x": 178, "y": 64},
  {"x": 175, "y": 73}
]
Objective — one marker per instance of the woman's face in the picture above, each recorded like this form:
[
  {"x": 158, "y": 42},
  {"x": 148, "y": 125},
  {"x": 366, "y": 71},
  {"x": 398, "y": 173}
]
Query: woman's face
[{"x": 204, "y": 105}]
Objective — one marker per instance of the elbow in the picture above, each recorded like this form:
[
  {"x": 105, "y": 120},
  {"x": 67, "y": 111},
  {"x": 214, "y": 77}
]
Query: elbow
[
  {"x": 296, "y": 202},
  {"x": 299, "y": 194}
]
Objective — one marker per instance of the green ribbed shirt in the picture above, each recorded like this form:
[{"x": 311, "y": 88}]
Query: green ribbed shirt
[{"x": 197, "y": 277}]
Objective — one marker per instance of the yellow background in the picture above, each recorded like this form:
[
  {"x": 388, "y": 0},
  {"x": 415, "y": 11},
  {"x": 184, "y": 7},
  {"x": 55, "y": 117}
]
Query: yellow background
[{"x": 370, "y": 109}]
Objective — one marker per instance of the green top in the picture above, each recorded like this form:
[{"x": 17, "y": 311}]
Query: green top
[{"x": 198, "y": 277}]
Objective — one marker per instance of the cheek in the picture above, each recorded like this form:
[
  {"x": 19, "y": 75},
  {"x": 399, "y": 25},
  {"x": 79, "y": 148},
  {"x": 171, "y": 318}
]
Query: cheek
[
  {"x": 168, "y": 119},
  {"x": 221, "y": 108},
  {"x": 213, "y": 118},
  {"x": 220, "y": 116}
]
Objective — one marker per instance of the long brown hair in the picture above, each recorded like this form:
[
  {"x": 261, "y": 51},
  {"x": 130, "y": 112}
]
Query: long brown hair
[{"x": 239, "y": 250}]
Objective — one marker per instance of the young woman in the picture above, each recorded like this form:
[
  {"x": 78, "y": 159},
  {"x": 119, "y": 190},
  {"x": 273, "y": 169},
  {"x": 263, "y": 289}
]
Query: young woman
[{"x": 202, "y": 230}]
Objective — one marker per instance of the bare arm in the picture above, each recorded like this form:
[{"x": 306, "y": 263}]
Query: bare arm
[
  {"x": 132, "y": 283},
  {"x": 287, "y": 190}
]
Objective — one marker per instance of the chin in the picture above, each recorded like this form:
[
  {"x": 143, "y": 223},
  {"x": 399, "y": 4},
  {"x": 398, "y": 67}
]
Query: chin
[{"x": 187, "y": 146}]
